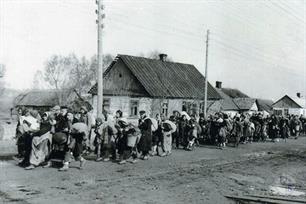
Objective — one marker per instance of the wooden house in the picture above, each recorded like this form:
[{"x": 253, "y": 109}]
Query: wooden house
[
  {"x": 134, "y": 83},
  {"x": 44, "y": 100},
  {"x": 265, "y": 106},
  {"x": 227, "y": 104},
  {"x": 287, "y": 105}
]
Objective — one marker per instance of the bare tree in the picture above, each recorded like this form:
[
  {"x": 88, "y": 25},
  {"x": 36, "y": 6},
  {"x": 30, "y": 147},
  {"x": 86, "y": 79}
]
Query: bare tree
[
  {"x": 2, "y": 73},
  {"x": 38, "y": 81},
  {"x": 57, "y": 71},
  {"x": 70, "y": 73}
]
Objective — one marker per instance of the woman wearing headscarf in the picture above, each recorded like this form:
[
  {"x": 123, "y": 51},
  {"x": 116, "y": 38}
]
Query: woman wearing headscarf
[
  {"x": 273, "y": 128},
  {"x": 183, "y": 130},
  {"x": 168, "y": 127},
  {"x": 29, "y": 126},
  {"x": 284, "y": 128},
  {"x": 237, "y": 130},
  {"x": 145, "y": 143},
  {"x": 41, "y": 143},
  {"x": 157, "y": 137},
  {"x": 105, "y": 131},
  {"x": 128, "y": 137},
  {"x": 297, "y": 126},
  {"x": 193, "y": 132},
  {"x": 78, "y": 134},
  {"x": 19, "y": 134}
]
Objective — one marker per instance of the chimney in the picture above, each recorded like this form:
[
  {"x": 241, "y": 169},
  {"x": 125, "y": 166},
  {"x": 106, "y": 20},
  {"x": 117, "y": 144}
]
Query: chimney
[
  {"x": 219, "y": 84},
  {"x": 298, "y": 95},
  {"x": 162, "y": 57}
]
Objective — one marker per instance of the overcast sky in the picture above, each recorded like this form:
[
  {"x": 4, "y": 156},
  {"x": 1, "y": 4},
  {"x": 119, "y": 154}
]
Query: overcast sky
[{"x": 255, "y": 46}]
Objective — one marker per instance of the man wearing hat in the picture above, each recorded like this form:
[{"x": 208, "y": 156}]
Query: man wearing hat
[{"x": 145, "y": 143}]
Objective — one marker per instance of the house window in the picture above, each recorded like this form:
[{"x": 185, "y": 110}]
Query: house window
[
  {"x": 278, "y": 112},
  {"x": 194, "y": 109},
  {"x": 190, "y": 107},
  {"x": 286, "y": 111},
  {"x": 134, "y": 107},
  {"x": 106, "y": 104},
  {"x": 165, "y": 109},
  {"x": 185, "y": 106}
]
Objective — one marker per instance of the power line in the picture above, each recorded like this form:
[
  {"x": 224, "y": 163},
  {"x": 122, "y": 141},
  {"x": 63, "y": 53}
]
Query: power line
[
  {"x": 292, "y": 15},
  {"x": 258, "y": 51},
  {"x": 162, "y": 31},
  {"x": 248, "y": 57}
]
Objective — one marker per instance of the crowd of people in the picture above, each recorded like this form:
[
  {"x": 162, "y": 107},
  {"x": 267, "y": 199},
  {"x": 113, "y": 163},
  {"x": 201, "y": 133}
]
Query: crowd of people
[{"x": 63, "y": 136}]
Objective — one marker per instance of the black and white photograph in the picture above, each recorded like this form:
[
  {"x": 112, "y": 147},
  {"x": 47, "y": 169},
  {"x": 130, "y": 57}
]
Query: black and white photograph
[{"x": 152, "y": 101}]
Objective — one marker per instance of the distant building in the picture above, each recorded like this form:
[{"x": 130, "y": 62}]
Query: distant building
[
  {"x": 288, "y": 105},
  {"x": 234, "y": 101},
  {"x": 134, "y": 83},
  {"x": 246, "y": 105},
  {"x": 227, "y": 104},
  {"x": 265, "y": 106},
  {"x": 44, "y": 100}
]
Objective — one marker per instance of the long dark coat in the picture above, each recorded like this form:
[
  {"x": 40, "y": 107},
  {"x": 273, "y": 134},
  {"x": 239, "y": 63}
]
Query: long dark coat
[{"x": 145, "y": 142}]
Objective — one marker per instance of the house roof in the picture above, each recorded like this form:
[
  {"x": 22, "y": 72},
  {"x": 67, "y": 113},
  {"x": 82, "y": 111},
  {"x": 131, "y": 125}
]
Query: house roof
[
  {"x": 288, "y": 102},
  {"x": 47, "y": 98},
  {"x": 264, "y": 105},
  {"x": 300, "y": 101},
  {"x": 234, "y": 93},
  {"x": 165, "y": 79},
  {"x": 244, "y": 103},
  {"x": 226, "y": 102}
]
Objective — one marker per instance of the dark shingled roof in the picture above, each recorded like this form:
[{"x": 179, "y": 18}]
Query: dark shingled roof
[
  {"x": 166, "y": 79},
  {"x": 265, "y": 105},
  {"x": 244, "y": 103},
  {"x": 227, "y": 103},
  {"x": 234, "y": 93}
]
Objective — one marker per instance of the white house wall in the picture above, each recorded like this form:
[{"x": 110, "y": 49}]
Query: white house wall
[
  {"x": 123, "y": 103},
  {"x": 151, "y": 106},
  {"x": 295, "y": 111},
  {"x": 254, "y": 107},
  {"x": 230, "y": 113}
]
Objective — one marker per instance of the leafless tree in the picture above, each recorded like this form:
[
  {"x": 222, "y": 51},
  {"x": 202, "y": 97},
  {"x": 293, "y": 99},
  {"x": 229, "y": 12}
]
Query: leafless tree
[
  {"x": 69, "y": 73},
  {"x": 2, "y": 73},
  {"x": 38, "y": 81}
]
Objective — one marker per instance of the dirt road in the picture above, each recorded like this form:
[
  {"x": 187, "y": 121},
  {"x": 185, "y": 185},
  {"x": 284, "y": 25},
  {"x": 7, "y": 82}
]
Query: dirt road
[{"x": 202, "y": 176}]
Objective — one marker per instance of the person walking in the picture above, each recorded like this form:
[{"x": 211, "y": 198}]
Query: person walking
[
  {"x": 103, "y": 140},
  {"x": 145, "y": 143}
]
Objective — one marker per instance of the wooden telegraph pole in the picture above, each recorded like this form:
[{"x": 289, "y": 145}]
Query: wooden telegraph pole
[
  {"x": 101, "y": 15},
  {"x": 206, "y": 76}
]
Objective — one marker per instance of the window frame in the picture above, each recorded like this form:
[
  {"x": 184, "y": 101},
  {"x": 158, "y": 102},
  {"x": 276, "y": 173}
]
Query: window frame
[
  {"x": 165, "y": 108},
  {"x": 106, "y": 103},
  {"x": 133, "y": 112}
]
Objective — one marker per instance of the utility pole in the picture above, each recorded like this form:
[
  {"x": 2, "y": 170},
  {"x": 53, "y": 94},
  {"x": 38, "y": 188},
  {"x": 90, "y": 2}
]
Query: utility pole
[
  {"x": 206, "y": 76},
  {"x": 100, "y": 14}
]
